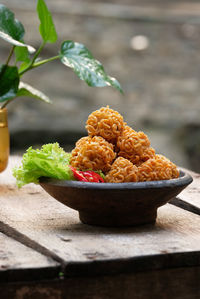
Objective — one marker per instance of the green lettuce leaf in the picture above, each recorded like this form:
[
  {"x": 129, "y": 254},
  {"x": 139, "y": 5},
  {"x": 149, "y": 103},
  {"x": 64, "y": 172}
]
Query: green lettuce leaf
[{"x": 49, "y": 161}]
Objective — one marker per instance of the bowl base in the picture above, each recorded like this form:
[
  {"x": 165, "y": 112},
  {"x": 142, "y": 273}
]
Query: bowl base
[{"x": 114, "y": 220}]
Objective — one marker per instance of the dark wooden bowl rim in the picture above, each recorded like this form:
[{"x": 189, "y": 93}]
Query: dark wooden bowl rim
[{"x": 182, "y": 180}]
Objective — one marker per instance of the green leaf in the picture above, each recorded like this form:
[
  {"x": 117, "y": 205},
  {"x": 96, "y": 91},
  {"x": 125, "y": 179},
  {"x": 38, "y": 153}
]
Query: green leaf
[
  {"x": 49, "y": 161},
  {"x": 47, "y": 28},
  {"x": 9, "y": 81},
  {"x": 79, "y": 58},
  {"x": 29, "y": 91},
  {"x": 23, "y": 66},
  {"x": 11, "y": 30},
  {"x": 12, "y": 41},
  {"x": 22, "y": 54},
  {"x": 10, "y": 25}
]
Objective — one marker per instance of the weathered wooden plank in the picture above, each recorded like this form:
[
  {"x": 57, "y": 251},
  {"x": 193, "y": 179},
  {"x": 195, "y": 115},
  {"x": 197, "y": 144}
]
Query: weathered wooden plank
[
  {"x": 185, "y": 205},
  {"x": 18, "y": 262},
  {"x": 18, "y": 236},
  {"x": 181, "y": 283},
  {"x": 174, "y": 241},
  {"x": 191, "y": 194},
  {"x": 189, "y": 198}
]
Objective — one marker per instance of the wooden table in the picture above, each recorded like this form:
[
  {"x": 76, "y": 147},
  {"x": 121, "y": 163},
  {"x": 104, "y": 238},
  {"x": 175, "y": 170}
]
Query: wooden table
[{"x": 45, "y": 252}]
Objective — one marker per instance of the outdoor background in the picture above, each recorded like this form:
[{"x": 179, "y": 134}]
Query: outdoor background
[{"x": 151, "y": 47}]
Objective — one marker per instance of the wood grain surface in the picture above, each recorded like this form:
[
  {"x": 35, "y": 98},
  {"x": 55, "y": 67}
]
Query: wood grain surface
[
  {"x": 191, "y": 195},
  {"x": 19, "y": 262}
]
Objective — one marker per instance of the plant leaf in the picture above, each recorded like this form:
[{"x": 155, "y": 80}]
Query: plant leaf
[
  {"x": 9, "y": 81},
  {"x": 29, "y": 91},
  {"x": 11, "y": 30},
  {"x": 23, "y": 66},
  {"x": 79, "y": 58},
  {"x": 47, "y": 28},
  {"x": 22, "y": 54},
  {"x": 10, "y": 25}
]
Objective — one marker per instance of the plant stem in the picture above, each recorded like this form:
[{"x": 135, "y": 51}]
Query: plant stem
[
  {"x": 10, "y": 55},
  {"x": 30, "y": 66},
  {"x": 6, "y": 103},
  {"x": 45, "y": 61},
  {"x": 37, "y": 53}
]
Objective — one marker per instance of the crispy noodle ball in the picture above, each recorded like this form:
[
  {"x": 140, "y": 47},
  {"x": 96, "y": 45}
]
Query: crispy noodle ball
[
  {"x": 157, "y": 168},
  {"x": 134, "y": 146},
  {"x": 106, "y": 123},
  {"x": 137, "y": 159},
  {"x": 122, "y": 170},
  {"x": 147, "y": 154},
  {"x": 93, "y": 153}
]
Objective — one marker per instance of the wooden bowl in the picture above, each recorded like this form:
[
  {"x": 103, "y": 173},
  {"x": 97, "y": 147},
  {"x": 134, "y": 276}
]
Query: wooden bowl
[{"x": 116, "y": 204}]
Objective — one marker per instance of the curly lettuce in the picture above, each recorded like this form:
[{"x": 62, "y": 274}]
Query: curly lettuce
[{"x": 49, "y": 161}]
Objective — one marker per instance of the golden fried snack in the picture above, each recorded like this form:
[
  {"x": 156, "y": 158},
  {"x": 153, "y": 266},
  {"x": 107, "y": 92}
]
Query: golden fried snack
[
  {"x": 122, "y": 170},
  {"x": 106, "y": 123},
  {"x": 134, "y": 146},
  {"x": 157, "y": 168},
  {"x": 93, "y": 153},
  {"x": 147, "y": 154}
]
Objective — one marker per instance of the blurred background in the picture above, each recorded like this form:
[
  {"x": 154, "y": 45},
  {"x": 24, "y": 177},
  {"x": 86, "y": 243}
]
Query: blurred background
[{"x": 151, "y": 47}]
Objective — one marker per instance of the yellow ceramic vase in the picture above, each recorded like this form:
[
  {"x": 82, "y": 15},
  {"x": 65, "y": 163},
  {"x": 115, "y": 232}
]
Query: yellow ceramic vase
[{"x": 4, "y": 139}]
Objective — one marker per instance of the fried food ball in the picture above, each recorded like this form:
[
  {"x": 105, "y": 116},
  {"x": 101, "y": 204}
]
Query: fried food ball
[
  {"x": 122, "y": 170},
  {"x": 157, "y": 168},
  {"x": 137, "y": 159},
  {"x": 93, "y": 153},
  {"x": 134, "y": 146},
  {"x": 147, "y": 154},
  {"x": 106, "y": 123}
]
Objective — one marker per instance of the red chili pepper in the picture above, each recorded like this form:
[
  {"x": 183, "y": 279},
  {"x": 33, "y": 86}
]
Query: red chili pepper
[
  {"x": 77, "y": 174},
  {"x": 87, "y": 176},
  {"x": 93, "y": 176}
]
